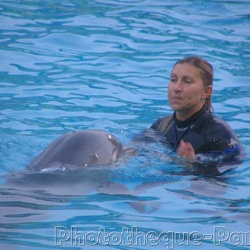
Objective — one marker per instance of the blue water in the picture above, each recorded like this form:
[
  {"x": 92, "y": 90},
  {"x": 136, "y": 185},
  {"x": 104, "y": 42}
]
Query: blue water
[{"x": 104, "y": 64}]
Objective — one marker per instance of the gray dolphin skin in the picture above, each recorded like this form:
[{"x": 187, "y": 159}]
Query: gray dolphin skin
[{"x": 81, "y": 148}]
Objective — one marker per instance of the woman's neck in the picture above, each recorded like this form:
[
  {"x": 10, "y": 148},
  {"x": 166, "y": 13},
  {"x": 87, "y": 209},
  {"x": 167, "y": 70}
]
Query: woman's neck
[
  {"x": 184, "y": 115},
  {"x": 199, "y": 115}
]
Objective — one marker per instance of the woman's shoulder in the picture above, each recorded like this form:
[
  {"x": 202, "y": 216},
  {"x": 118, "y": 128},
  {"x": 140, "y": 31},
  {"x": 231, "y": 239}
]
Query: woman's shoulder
[
  {"x": 216, "y": 125},
  {"x": 214, "y": 120},
  {"x": 220, "y": 138},
  {"x": 162, "y": 123}
]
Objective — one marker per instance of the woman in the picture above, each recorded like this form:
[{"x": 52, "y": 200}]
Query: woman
[{"x": 195, "y": 133}]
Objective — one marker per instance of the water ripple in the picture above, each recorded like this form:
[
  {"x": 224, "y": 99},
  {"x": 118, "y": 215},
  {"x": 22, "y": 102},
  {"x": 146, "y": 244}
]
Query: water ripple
[{"x": 105, "y": 64}]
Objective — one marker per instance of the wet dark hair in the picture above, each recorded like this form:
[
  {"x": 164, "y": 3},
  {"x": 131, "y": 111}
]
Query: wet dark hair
[{"x": 207, "y": 74}]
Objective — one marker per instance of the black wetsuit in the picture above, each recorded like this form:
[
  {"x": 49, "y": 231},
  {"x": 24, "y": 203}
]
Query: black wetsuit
[{"x": 211, "y": 137}]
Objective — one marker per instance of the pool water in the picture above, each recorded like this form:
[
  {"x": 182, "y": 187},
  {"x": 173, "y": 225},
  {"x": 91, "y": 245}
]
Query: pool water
[{"x": 104, "y": 64}]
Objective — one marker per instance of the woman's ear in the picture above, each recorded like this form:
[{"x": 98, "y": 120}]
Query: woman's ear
[{"x": 208, "y": 92}]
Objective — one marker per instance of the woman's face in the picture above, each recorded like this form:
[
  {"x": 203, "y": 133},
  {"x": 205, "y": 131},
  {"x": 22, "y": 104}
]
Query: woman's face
[{"x": 186, "y": 91}]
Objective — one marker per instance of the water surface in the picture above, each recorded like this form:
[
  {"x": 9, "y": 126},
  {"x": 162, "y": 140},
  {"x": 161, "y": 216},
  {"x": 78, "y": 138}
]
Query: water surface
[{"x": 68, "y": 65}]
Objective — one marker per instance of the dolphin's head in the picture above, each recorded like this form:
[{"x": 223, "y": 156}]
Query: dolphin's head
[
  {"x": 107, "y": 148},
  {"x": 82, "y": 148}
]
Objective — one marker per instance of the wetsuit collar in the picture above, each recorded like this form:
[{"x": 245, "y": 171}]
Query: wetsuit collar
[{"x": 182, "y": 125}]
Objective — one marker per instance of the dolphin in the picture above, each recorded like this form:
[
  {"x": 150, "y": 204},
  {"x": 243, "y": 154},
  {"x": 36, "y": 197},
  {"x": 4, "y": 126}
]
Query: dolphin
[{"x": 83, "y": 148}]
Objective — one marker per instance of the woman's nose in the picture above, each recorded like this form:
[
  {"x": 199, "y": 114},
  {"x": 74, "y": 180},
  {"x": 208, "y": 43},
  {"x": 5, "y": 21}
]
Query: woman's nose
[{"x": 178, "y": 86}]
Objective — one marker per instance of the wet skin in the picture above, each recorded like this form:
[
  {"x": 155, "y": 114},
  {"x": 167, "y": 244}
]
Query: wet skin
[{"x": 79, "y": 149}]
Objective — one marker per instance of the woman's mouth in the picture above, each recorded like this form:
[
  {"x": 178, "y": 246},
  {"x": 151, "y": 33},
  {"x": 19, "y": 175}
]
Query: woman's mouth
[{"x": 175, "y": 98}]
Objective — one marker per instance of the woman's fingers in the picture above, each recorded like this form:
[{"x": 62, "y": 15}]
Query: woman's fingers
[{"x": 186, "y": 150}]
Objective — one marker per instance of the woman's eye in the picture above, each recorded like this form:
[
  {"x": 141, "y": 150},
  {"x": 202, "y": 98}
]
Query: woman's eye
[{"x": 188, "y": 81}]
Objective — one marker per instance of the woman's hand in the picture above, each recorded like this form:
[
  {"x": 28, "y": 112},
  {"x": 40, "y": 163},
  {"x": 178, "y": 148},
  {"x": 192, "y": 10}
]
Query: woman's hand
[{"x": 186, "y": 150}]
